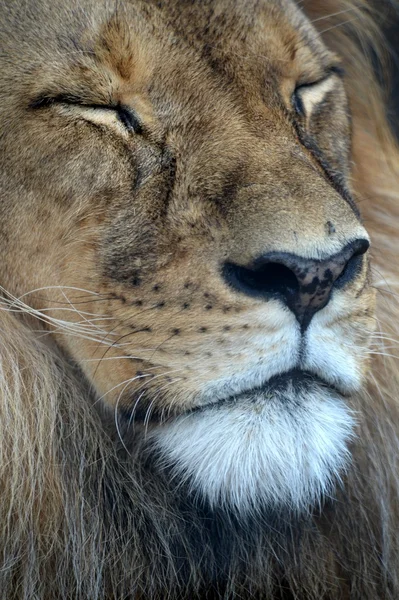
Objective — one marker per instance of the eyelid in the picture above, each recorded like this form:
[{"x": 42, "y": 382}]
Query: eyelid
[
  {"x": 332, "y": 70},
  {"x": 125, "y": 114}
]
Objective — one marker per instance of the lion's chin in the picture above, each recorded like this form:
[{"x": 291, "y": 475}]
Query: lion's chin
[{"x": 284, "y": 446}]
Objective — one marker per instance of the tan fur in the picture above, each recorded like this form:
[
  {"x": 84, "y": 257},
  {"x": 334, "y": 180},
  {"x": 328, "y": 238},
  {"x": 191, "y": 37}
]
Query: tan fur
[{"x": 111, "y": 289}]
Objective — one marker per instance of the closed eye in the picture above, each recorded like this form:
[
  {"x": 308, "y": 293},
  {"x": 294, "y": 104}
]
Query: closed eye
[
  {"x": 308, "y": 96},
  {"x": 101, "y": 114}
]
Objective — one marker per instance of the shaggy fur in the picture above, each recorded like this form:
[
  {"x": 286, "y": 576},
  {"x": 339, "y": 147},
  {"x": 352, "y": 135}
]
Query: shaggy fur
[{"x": 114, "y": 316}]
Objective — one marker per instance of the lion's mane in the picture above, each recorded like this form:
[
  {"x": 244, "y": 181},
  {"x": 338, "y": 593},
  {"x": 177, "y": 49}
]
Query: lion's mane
[{"x": 79, "y": 519}]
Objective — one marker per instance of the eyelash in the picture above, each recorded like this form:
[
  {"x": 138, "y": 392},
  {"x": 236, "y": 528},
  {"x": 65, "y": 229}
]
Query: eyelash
[
  {"x": 129, "y": 119},
  {"x": 125, "y": 115},
  {"x": 297, "y": 102}
]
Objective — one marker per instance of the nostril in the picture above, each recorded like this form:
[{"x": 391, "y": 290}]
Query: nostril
[
  {"x": 354, "y": 265},
  {"x": 271, "y": 280},
  {"x": 352, "y": 269}
]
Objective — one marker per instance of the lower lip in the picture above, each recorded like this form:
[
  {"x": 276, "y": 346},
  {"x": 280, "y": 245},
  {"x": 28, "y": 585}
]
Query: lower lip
[{"x": 296, "y": 379}]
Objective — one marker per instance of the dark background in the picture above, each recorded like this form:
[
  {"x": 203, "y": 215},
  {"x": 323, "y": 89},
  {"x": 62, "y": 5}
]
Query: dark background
[{"x": 391, "y": 27}]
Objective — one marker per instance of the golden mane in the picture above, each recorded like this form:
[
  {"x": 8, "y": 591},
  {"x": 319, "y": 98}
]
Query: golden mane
[{"x": 76, "y": 519}]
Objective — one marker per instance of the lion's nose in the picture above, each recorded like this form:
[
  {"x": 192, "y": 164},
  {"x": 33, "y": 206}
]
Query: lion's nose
[{"x": 303, "y": 284}]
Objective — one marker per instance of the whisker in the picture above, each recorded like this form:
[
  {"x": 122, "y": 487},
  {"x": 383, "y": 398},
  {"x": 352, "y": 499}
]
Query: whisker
[
  {"x": 10, "y": 303},
  {"x": 116, "y": 419},
  {"x": 130, "y": 380},
  {"x": 381, "y": 354},
  {"x": 131, "y": 418},
  {"x": 124, "y": 322},
  {"x": 57, "y": 287},
  {"x": 336, "y": 14},
  {"x": 337, "y": 25},
  {"x": 124, "y": 357},
  {"x": 81, "y": 314}
]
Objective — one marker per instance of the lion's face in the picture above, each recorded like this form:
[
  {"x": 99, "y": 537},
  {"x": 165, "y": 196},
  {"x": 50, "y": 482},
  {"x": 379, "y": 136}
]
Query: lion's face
[{"x": 179, "y": 178}]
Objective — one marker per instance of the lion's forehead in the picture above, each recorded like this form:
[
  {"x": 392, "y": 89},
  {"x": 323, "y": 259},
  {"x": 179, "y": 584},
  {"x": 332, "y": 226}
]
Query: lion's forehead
[
  {"x": 170, "y": 50},
  {"x": 210, "y": 81}
]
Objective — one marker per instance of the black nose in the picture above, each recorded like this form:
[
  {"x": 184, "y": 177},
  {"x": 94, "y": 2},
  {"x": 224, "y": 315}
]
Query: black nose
[{"x": 303, "y": 284}]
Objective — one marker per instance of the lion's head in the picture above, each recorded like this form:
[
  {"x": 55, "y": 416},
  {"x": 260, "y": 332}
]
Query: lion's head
[{"x": 179, "y": 213}]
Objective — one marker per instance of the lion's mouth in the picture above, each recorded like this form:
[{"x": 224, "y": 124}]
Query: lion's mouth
[{"x": 297, "y": 381}]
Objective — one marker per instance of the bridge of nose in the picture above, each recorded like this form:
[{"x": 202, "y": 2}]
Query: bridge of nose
[{"x": 299, "y": 213}]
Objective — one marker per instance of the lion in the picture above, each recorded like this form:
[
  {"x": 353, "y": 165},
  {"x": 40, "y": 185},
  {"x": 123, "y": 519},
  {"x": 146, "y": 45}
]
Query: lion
[{"x": 199, "y": 302}]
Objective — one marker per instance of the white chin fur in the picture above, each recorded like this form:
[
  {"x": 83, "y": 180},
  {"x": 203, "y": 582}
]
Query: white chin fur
[{"x": 275, "y": 449}]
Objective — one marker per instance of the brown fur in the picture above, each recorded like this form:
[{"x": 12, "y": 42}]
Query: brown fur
[{"x": 112, "y": 245}]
